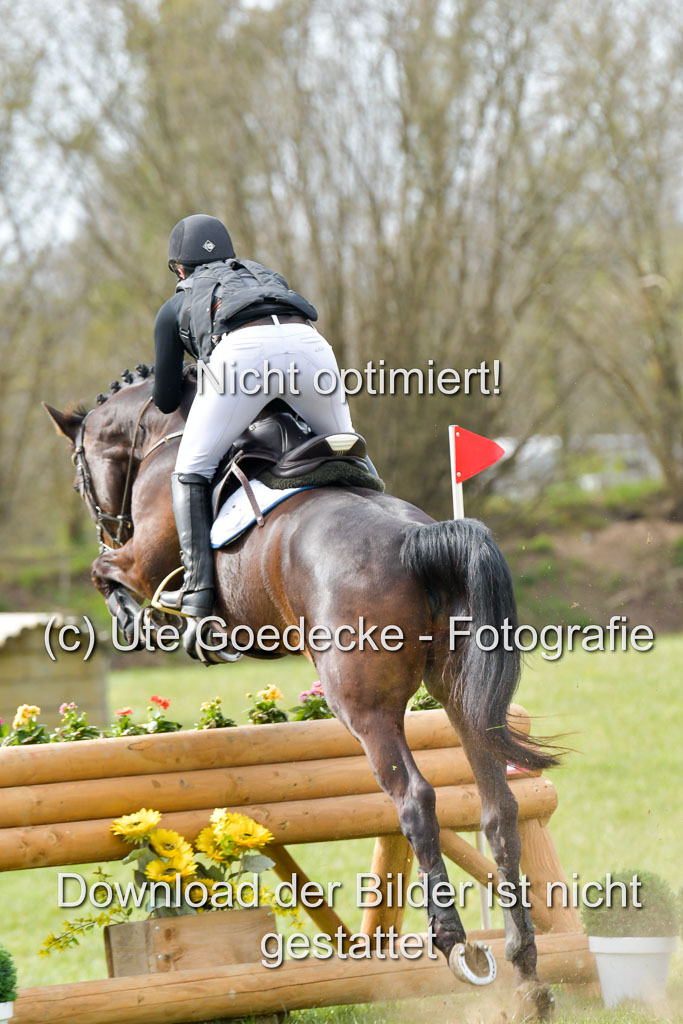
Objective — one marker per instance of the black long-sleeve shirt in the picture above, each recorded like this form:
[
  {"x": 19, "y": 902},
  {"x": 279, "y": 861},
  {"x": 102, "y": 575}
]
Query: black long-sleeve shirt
[{"x": 169, "y": 351}]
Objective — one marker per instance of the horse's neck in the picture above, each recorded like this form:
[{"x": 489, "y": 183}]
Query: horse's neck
[{"x": 158, "y": 425}]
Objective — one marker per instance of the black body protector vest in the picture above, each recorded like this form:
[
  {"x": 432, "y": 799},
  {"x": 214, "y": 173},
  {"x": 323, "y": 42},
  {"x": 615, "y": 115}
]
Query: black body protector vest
[{"x": 216, "y": 292}]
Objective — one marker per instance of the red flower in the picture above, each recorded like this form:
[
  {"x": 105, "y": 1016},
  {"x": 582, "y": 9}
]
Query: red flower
[
  {"x": 162, "y": 702},
  {"x": 122, "y": 712}
]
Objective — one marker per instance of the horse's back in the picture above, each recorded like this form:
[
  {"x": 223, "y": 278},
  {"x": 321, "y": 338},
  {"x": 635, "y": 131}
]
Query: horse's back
[{"x": 323, "y": 553}]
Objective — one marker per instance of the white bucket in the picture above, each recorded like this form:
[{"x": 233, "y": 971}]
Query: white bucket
[
  {"x": 6, "y": 1012},
  {"x": 632, "y": 968}
]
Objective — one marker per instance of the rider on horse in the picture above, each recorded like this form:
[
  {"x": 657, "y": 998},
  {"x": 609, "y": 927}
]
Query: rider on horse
[{"x": 233, "y": 314}]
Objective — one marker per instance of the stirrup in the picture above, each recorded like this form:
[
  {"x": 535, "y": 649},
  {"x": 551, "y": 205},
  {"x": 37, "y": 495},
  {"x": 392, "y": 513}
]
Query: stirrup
[{"x": 170, "y": 609}]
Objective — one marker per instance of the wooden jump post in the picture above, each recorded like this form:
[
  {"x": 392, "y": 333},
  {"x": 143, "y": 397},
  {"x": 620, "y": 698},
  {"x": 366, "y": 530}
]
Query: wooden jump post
[{"x": 306, "y": 782}]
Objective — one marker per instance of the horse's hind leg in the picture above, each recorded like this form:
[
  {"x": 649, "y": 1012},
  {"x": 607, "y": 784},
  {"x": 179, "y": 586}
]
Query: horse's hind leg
[
  {"x": 499, "y": 824},
  {"x": 387, "y": 750},
  {"x": 374, "y": 714}
]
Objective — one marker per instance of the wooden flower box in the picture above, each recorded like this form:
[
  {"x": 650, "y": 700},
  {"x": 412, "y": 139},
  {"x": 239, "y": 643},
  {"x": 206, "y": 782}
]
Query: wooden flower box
[{"x": 191, "y": 941}]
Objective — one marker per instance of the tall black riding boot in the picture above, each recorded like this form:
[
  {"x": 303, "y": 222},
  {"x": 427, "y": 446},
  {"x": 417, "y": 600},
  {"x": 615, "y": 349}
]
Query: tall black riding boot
[{"x": 192, "y": 510}]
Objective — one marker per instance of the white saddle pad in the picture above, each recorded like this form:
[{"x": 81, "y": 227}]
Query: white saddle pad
[{"x": 237, "y": 515}]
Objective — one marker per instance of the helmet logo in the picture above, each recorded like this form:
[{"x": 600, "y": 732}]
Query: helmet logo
[{"x": 208, "y": 245}]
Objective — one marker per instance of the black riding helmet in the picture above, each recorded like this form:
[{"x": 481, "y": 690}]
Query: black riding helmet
[{"x": 199, "y": 239}]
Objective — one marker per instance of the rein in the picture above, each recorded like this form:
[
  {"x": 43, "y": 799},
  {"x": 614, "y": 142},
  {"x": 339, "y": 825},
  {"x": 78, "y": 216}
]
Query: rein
[{"x": 102, "y": 519}]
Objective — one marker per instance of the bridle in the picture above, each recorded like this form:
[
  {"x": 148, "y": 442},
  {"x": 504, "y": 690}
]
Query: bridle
[{"x": 112, "y": 526}]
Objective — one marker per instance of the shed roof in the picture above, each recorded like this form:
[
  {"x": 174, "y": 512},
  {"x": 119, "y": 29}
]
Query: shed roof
[{"x": 12, "y": 624}]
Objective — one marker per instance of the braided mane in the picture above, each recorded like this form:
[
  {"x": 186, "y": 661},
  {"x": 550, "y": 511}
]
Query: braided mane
[{"x": 141, "y": 372}]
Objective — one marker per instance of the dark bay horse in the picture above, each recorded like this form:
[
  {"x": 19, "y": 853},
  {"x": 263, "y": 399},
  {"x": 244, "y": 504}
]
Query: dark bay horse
[{"x": 330, "y": 555}]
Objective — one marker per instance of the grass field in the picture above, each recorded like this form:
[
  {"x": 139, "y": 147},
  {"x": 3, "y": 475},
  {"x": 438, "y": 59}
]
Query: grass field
[{"x": 620, "y": 802}]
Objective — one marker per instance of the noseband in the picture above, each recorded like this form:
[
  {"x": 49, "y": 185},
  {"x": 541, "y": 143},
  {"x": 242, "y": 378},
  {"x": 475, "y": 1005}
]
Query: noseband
[{"x": 106, "y": 523}]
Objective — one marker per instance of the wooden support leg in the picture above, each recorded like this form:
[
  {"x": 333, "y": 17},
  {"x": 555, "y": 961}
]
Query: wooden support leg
[
  {"x": 540, "y": 863},
  {"x": 392, "y": 854},
  {"x": 467, "y": 857},
  {"x": 484, "y": 871},
  {"x": 287, "y": 869}
]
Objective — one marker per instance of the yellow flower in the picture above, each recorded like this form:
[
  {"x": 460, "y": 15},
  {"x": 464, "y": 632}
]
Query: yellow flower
[
  {"x": 209, "y": 886},
  {"x": 206, "y": 843},
  {"x": 25, "y": 712},
  {"x": 165, "y": 841},
  {"x": 207, "y": 705},
  {"x": 135, "y": 828},
  {"x": 270, "y": 693},
  {"x": 238, "y": 829},
  {"x": 159, "y": 871},
  {"x": 183, "y": 863}
]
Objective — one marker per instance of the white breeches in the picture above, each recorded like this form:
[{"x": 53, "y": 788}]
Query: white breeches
[{"x": 216, "y": 419}]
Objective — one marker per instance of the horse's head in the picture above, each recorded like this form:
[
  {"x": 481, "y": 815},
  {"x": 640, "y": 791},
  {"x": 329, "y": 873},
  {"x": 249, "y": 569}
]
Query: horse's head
[{"x": 107, "y": 445}]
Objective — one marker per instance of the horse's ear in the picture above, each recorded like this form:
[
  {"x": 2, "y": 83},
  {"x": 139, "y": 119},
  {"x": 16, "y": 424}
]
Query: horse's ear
[{"x": 66, "y": 423}]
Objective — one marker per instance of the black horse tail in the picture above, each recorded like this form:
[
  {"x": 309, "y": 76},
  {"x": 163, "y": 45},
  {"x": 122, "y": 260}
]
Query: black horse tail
[{"x": 464, "y": 573}]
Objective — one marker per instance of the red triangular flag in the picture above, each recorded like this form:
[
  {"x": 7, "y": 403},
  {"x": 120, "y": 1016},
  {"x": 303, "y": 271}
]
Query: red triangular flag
[{"x": 473, "y": 453}]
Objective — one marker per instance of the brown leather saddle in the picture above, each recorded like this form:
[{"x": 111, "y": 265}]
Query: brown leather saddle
[{"x": 281, "y": 443}]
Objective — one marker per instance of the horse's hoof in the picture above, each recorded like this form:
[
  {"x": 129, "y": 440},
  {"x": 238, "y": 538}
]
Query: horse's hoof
[
  {"x": 472, "y": 962},
  {"x": 533, "y": 1001}
]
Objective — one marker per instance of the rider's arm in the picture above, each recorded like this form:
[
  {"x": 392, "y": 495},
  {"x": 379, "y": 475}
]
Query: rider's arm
[{"x": 168, "y": 357}]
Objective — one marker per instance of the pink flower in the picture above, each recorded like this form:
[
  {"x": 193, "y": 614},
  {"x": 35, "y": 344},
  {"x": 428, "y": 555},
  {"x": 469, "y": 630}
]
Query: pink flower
[
  {"x": 316, "y": 690},
  {"x": 63, "y": 708},
  {"x": 162, "y": 702},
  {"x": 123, "y": 712}
]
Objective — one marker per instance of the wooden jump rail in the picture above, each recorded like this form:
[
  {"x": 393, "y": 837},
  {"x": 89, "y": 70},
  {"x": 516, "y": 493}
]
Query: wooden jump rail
[{"x": 57, "y": 802}]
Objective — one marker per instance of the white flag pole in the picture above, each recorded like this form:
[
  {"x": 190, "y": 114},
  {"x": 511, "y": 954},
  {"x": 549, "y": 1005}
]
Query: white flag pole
[
  {"x": 459, "y": 513},
  {"x": 458, "y": 506}
]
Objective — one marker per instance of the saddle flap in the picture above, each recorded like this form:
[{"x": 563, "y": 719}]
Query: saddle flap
[{"x": 274, "y": 434}]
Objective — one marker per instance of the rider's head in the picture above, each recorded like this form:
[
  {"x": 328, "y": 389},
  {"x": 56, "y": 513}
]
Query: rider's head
[{"x": 196, "y": 240}]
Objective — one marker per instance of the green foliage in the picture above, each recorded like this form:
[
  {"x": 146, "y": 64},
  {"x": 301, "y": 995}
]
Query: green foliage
[
  {"x": 656, "y": 917},
  {"x": 212, "y": 716},
  {"x": 73, "y": 726},
  {"x": 312, "y": 705},
  {"x": 8, "y": 977},
  {"x": 541, "y": 543},
  {"x": 25, "y": 728},
  {"x": 265, "y": 710},
  {"x": 157, "y": 721},
  {"x": 26, "y": 736},
  {"x": 124, "y": 724},
  {"x": 564, "y": 506},
  {"x": 423, "y": 701}
]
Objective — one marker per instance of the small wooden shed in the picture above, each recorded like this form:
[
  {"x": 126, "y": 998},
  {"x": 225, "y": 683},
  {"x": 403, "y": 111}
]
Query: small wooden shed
[{"x": 29, "y": 676}]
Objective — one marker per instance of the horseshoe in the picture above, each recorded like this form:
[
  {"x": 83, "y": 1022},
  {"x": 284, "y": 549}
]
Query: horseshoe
[{"x": 461, "y": 969}]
